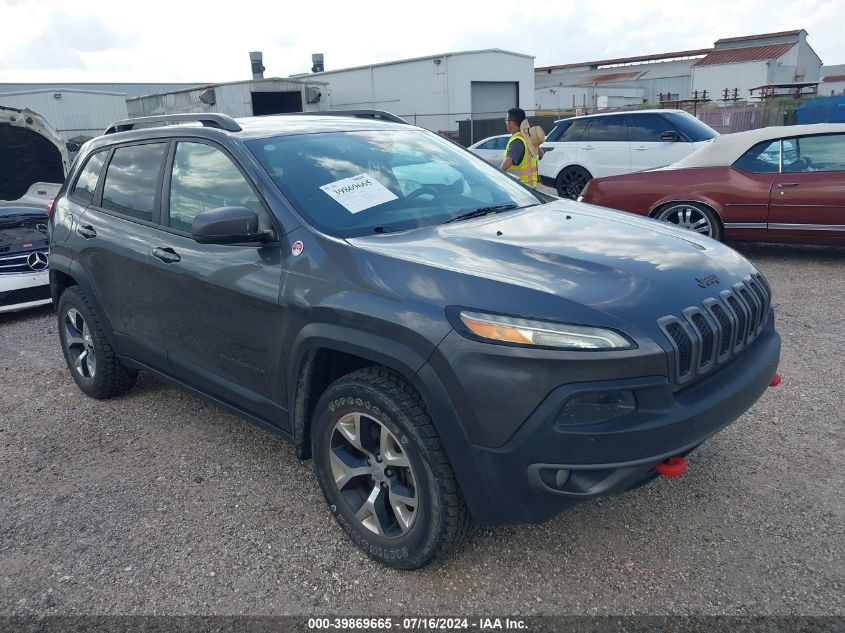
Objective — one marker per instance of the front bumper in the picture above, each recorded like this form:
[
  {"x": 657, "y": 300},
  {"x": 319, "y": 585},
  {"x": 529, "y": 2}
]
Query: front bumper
[
  {"x": 546, "y": 467},
  {"x": 20, "y": 291}
]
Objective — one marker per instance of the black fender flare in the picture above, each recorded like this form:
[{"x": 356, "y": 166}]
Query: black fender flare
[{"x": 413, "y": 367}]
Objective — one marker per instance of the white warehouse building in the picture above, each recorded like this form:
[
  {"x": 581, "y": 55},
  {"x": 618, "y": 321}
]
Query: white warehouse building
[
  {"x": 72, "y": 112},
  {"x": 756, "y": 61},
  {"x": 436, "y": 91}
]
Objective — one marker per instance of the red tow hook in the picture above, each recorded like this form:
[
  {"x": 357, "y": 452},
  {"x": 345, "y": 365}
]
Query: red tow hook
[
  {"x": 775, "y": 381},
  {"x": 672, "y": 467}
]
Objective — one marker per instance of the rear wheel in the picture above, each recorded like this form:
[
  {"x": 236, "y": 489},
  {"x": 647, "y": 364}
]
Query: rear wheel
[
  {"x": 89, "y": 356},
  {"x": 692, "y": 216},
  {"x": 383, "y": 470},
  {"x": 571, "y": 182}
]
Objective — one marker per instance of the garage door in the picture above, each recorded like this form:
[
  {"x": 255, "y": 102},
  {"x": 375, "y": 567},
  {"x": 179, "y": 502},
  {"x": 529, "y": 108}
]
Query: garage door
[{"x": 494, "y": 98}]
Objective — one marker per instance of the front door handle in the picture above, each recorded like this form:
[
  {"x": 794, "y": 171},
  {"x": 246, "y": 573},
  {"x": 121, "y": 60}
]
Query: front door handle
[
  {"x": 641, "y": 149},
  {"x": 783, "y": 185},
  {"x": 167, "y": 255},
  {"x": 87, "y": 231}
]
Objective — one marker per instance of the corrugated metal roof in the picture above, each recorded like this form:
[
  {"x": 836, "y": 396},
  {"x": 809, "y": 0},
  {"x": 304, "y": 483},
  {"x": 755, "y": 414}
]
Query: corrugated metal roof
[
  {"x": 627, "y": 60},
  {"x": 762, "y": 36},
  {"x": 832, "y": 78},
  {"x": 746, "y": 54},
  {"x": 611, "y": 77}
]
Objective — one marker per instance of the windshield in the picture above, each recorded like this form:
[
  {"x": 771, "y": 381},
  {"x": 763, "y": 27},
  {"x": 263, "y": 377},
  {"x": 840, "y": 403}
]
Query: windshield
[{"x": 350, "y": 184}]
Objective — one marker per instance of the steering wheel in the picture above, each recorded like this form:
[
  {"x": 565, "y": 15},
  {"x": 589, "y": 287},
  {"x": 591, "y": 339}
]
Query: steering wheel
[{"x": 416, "y": 193}]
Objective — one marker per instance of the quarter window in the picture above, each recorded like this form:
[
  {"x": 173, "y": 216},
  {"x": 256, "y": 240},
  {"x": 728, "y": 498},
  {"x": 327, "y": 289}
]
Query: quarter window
[
  {"x": 132, "y": 180},
  {"x": 86, "y": 184},
  {"x": 816, "y": 153},
  {"x": 204, "y": 178}
]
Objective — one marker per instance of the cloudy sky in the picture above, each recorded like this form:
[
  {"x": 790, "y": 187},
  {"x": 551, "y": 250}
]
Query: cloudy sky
[{"x": 154, "y": 40}]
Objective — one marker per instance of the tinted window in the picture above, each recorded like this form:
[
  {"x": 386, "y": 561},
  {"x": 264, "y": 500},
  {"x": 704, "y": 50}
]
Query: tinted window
[
  {"x": 491, "y": 144},
  {"x": 611, "y": 128},
  {"x": 204, "y": 178},
  {"x": 359, "y": 183},
  {"x": 575, "y": 130},
  {"x": 131, "y": 180},
  {"x": 647, "y": 128},
  {"x": 763, "y": 158},
  {"x": 689, "y": 126},
  {"x": 558, "y": 131},
  {"x": 817, "y": 153},
  {"x": 86, "y": 184},
  {"x": 502, "y": 143}
]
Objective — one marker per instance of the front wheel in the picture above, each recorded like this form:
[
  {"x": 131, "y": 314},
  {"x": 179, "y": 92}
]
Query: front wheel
[
  {"x": 571, "y": 182},
  {"x": 692, "y": 216},
  {"x": 383, "y": 470}
]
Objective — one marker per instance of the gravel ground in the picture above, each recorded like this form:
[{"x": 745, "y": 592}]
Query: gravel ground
[{"x": 158, "y": 502}]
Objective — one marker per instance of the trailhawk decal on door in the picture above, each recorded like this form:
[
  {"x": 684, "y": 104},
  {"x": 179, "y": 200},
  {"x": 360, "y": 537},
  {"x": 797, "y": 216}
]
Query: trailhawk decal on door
[{"x": 359, "y": 193}]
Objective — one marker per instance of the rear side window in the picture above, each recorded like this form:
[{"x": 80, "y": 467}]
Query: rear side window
[
  {"x": 645, "y": 128},
  {"x": 610, "y": 128},
  {"x": 86, "y": 184},
  {"x": 132, "y": 180},
  {"x": 204, "y": 178},
  {"x": 575, "y": 130}
]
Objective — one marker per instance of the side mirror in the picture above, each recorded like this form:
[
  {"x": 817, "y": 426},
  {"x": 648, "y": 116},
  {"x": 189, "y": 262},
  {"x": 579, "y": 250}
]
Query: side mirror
[
  {"x": 228, "y": 225},
  {"x": 670, "y": 137}
]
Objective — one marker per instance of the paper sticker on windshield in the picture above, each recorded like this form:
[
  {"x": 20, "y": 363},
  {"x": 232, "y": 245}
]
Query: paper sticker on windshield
[{"x": 359, "y": 192}]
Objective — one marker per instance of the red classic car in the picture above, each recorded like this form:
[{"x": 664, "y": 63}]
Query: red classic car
[{"x": 777, "y": 184}]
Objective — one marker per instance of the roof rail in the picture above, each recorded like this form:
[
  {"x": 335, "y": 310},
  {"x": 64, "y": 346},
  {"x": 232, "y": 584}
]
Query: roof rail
[
  {"x": 360, "y": 114},
  {"x": 213, "y": 119}
]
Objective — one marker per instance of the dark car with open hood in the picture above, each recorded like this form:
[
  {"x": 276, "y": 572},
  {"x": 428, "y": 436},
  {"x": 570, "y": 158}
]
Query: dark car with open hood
[{"x": 448, "y": 346}]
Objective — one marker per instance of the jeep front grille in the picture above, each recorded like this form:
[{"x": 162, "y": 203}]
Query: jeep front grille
[{"x": 711, "y": 334}]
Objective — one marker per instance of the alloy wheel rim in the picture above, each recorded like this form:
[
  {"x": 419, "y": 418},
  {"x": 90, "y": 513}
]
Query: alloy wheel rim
[
  {"x": 373, "y": 475},
  {"x": 80, "y": 344},
  {"x": 688, "y": 217},
  {"x": 574, "y": 183}
]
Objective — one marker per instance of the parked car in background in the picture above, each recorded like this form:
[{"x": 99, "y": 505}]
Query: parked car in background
[
  {"x": 448, "y": 345},
  {"x": 491, "y": 149},
  {"x": 777, "y": 184},
  {"x": 599, "y": 145},
  {"x": 24, "y": 256}
]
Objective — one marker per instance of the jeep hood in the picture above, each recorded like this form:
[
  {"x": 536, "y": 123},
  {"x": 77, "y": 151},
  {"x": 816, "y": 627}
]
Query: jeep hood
[{"x": 614, "y": 262}]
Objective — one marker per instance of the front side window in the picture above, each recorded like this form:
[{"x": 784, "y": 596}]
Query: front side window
[
  {"x": 557, "y": 131},
  {"x": 86, "y": 184},
  {"x": 692, "y": 128},
  {"x": 648, "y": 128},
  {"x": 815, "y": 153},
  {"x": 205, "y": 178},
  {"x": 132, "y": 180},
  {"x": 575, "y": 131},
  {"x": 762, "y": 158},
  {"x": 358, "y": 183}
]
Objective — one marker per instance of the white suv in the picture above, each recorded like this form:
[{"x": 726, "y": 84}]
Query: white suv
[{"x": 598, "y": 145}]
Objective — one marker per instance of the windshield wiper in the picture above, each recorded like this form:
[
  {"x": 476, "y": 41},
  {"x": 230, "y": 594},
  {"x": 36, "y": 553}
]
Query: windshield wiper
[{"x": 475, "y": 213}]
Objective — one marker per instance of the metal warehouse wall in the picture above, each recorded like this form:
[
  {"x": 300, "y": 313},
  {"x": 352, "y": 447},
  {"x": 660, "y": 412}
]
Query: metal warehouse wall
[
  {"x": 75, "y": 113},
  {"x": 234, "y": 99},
  {"x": 433, "y": 92}
]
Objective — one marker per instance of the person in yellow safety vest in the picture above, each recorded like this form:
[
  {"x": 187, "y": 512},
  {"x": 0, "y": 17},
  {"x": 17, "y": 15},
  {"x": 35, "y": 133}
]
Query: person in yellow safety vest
[{"x": 521, "y": 156}]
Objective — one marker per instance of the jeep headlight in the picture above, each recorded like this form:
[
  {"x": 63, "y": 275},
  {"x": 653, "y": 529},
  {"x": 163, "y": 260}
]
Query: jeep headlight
[{"x": 496, "y": 328}]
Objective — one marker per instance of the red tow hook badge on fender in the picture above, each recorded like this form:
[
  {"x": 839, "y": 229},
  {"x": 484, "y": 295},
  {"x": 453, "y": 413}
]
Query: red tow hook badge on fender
[
  {"x": 672, "y": 467},
  {"x": 775, "y": 381}
]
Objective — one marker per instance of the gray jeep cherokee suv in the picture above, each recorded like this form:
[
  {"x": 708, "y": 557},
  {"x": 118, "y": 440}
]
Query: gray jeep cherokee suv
[{"x": 448, "y": 346}]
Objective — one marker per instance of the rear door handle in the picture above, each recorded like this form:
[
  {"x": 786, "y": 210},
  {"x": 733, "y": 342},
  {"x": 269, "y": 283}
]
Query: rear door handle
[
  {"x": 783, "y": 185},
  {"x": 167, "y": 255},
  {"x": 87, "y": 231}
]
